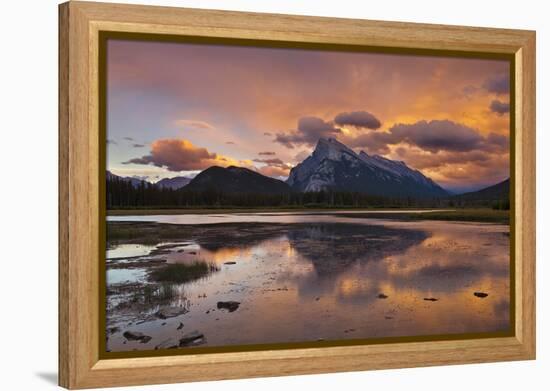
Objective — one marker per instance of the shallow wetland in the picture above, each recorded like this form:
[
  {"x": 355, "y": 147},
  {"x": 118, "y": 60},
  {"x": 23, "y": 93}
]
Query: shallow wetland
[{"x": 178, "y": 281}]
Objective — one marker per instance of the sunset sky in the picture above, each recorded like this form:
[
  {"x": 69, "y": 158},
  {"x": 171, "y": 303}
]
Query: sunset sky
[{"x": 175, "y": 109}]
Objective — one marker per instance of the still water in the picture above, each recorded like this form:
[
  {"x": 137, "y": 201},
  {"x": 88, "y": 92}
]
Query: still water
[{"x": 311, "y": 277}]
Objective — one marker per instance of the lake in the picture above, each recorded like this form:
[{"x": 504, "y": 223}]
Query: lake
[{"x": 302, "y": 277}]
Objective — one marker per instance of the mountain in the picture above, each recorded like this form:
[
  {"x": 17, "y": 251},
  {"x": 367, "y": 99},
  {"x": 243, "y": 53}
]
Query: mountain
[
  {"x": 332, "y": 165},
  {"x": 236, "y": 180},
  {"x": 173, "y": 183},
  {"x": 136, "y": 182},
  {"x": 498, "y": 192}
]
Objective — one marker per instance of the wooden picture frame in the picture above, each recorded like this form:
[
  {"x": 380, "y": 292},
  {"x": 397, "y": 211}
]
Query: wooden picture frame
[{"x": 80, "y": 156}]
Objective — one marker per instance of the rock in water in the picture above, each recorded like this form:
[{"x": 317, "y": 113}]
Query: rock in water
[
  {"x": 169, "y": 343},
  {"x": 112, "y": 330},
  {"x": 228, "y": 305},
  {"x": 192, "y": 338},
  {"x": 382, "y": 296},
  {"x": 481, "y": 294},
  {"x": 430, "y": 299},
  {"x": 170, "y": 312},
  {"x": 136, "y": 336},
  {"x": 180, "y": 326}
]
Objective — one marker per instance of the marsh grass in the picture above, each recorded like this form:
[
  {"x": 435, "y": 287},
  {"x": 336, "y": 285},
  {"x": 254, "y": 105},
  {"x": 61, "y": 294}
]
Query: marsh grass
[
  {"x": 181, "y": 272},
  {"x": 147, "y": 293},
  {"x": 144, "y": 233},
  {"x": 166, "y": 292},
  {"x": 151, "y": 294}
]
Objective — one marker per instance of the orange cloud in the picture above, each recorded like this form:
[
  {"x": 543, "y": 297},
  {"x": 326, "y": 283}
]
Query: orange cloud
[
  {"x": 274, "y": 171},
  {"x": 274, "y": 167},
  {"x": 182, "y": 155}
]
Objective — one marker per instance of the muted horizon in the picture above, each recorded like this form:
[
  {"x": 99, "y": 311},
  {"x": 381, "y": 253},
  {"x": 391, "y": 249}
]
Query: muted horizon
[{"x": 176, "y": 109}]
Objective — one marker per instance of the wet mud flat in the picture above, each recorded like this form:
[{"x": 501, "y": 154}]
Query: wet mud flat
[{"x": 176, "y": 286}]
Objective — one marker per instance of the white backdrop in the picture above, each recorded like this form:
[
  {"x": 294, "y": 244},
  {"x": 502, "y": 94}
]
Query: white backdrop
[{"x": 28, "y": 277}]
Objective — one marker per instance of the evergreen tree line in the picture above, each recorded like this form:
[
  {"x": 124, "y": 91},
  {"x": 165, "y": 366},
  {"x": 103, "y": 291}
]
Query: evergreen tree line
[{"x": 121, "y": 194}]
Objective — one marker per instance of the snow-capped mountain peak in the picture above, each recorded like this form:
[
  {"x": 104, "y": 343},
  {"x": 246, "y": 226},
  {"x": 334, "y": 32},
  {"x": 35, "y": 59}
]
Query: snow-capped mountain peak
[
  {"x": 333, "y": 165},
  {"x": 331, "y": 149}
]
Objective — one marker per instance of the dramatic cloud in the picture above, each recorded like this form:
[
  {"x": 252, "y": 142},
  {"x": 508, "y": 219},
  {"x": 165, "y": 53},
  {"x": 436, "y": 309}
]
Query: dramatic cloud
[
  {"x": 268, "y": 134},
  {"x": 499, "y": 107},
  {"x": 268, "y": 153},
  {"x": 274, "y": 167},
  {"x": 422, "y": 160},
  {"x": 274, "y": 161},
  {"x": 194, "y": 124},
  {"x": 374, "y": 142},
  {"x": 182, "y": 155},
  {"x": 498, "y": 84},
  {"x": 230, "y": 142},
  {"x": 309, "y": 131},
  {"x": 274, "y": 171},
  {"x": 358, "y": 119},
  {"x": 499, "y": 140},
  {"x": 138, "y": 145},
  {"x": 433, "y": 136},
  {"x": 447, "y": 167}
]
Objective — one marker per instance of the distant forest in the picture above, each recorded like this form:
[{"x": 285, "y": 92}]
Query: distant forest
[{"x": 121, "y": 194}]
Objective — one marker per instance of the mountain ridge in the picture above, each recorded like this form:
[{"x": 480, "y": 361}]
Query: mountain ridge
[
  {"x": 136, "y": 182},
  {"x": 498, "y": 191},
  {"x": 174, "y": 183},
  {"x": 234, "y": 179}
]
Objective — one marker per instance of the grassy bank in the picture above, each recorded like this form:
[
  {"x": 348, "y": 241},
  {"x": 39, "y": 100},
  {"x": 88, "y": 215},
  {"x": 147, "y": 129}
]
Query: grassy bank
[
  {"x": 473, "y": 215},
  {"x": 478, "y": 214}
]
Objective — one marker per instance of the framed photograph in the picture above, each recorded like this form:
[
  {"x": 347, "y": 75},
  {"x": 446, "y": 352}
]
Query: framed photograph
[{"x": 246, "y": 195}]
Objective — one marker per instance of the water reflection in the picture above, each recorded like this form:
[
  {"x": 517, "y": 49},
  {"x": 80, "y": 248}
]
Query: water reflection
[
  {"x": 333, "y": 248},
  {"x": 329, "y": 279}
]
